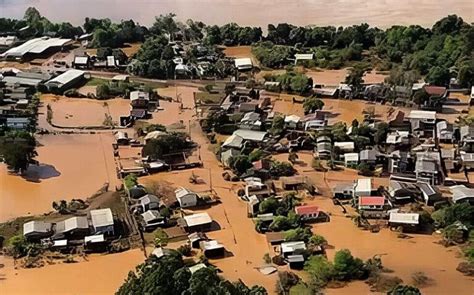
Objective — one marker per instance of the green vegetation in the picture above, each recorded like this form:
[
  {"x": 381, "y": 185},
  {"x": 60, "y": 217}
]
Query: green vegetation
[
  {"x": 312, "y": 104},
  {"x": 173, "y": 142},
  {"x": 446, "y": 216},
  {"x": 130, "y": 181},
  {"x": 293, "y": 82},
  {"x": 38, "y": 26},
  {"x": 344, "y": 268},
  {"x": 169, "y": 275},
  {"x": 17, "y": 149},
  {"x": 404, "y": 290}
]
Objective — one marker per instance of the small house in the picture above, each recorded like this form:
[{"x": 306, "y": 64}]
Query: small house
[
  {"x": 295, "y": 261},
  {"x": 152, "y": 219},
  {"x": 195, "y": 239},
  {"x": 251, "y": 121},
  {"x": 343, "y": 191},
  {"x": 402, "y": 192},
  {"x": 292, "y": 121},
  {"x": 462, "y": 194},
  {"x": 121, "y": 138},
  {"x": 344, "y": 146},
  {"x": 351, "y": 159},
  {"x": 161, "y": 252},
  {"x": 429, "y": 193},
  {"x": 197, "y": 222},
  {"x": 368, "y": 156},
  {"x": 95, "y": 243},
  {"x": 139, "y": 99},
  {"x": 196, "y": 267},
  {"x": 212, "y": 249},
  {"x": 145, "y": 203},
  {"x": 371, "y": 203},
  {"x": 233, "y": 142},
  {"x": 102, "y": 221},
  {"x": 445, "y": 132},
  {"x": 292, "y": 248},
  {"x": 407, "y": 221},
  {"x": 427, "y": 169},
  {"x": 324, "y": 150},
  {"x": 81, "y": 62},
  {"x": 73, "y": 227},
  {"x": 275, "y": 238},
  {"x": 186, "y": 198},
  {"x": 253, "y": 205},
  {"x": 308, "y": 212},
  {"x": 19, "y": 123},
  {"x": 363, "y": 187},
  {"x": 36, "y": 230},
  {"x": 227, "y": 155}
]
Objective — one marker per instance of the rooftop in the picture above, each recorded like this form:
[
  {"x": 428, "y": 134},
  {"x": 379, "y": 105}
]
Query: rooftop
[
  {"x": 102, "y": 217},
  {"x": 371, "y": 201},
  {"x": 197, "y": 219},
  {"x": 250, "y": 134},
  {"x": 36, "y": 226},
  {"x": 308, "y": 209},
  {"x": 292, "y": 246},
  {"x": 36, "y": 46},
  {"x": 407, "y": 218},
  {"x": 66, "y": 77}
]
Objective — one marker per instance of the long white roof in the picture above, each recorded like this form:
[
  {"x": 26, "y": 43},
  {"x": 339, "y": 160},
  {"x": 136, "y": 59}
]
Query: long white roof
[
  {"x": 66, "y": 77},
  {"x": 37, "y": 45},
  {"x": 197, "y": 219}
]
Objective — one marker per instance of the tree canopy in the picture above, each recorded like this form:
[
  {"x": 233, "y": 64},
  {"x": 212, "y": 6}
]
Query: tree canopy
[{"x": 169, "y": 275}]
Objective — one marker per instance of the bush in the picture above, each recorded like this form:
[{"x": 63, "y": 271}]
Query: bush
[
  {"x": 404, "y": 290},
  {"x": 365, "y": 169},
  {"x": 298, "y": 234},
  {"x": 161, "y": 238},
  {"x": 318, "y": 240},
  {"x": 348, "y": 267},
  {"x": 278, "y": 169},
  {"x": 185, "y": 250}
]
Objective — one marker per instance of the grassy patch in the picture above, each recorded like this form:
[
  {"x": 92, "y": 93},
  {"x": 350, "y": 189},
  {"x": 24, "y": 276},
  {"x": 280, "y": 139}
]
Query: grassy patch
[
  {"x": 206, "y": 97},
  {"x": 300, "y": 289},
  {"x": 96, "y": 82}
]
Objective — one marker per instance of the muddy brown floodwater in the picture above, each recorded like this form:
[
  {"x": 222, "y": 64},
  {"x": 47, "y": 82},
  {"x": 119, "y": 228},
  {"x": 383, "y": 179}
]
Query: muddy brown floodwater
[
  {"x": 71, "y": 166},
  {"x": 99, "y": 275}
]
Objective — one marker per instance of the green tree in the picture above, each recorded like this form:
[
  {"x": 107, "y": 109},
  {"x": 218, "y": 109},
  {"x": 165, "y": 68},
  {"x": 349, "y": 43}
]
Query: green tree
[
  {"x": 461, "y": 212},
  {"x": 278, "y": 125},
  {"x": 321, "y": 271},
  {"x": 17, "y": 149},
  {"x": 240, "y": 164},
  {"x": 438, "y": 76},
  {"x": 269, "y": 205},
  {"x": 348, "y": 267},
  {"x": 311, "y": 104},
  {"x": 355, "y": 77},
  {"x": 298, "y": 234}
]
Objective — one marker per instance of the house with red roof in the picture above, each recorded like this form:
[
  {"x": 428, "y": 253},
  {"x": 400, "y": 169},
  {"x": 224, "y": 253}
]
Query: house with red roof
[
  {"x": 371, "y": 203},
  {"x": 308, "y": 212}
]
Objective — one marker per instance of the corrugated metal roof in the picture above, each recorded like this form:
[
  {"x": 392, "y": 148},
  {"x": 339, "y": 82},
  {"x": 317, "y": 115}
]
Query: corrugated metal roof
[
  {"x": 102, "y": 217},
  {"x": 407, "y": 218},
  {"x": 37, "y": 45},
  {"x": 66, "y": 77}
]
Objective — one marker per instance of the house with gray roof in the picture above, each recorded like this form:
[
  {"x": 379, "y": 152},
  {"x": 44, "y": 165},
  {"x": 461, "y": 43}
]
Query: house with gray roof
[{"x": 36, "y": 230}]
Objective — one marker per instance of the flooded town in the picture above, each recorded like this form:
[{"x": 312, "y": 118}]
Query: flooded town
[{"x": 177, "y": 152}]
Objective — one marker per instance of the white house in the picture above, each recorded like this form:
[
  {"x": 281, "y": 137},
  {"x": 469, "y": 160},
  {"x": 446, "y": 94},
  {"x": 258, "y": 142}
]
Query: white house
[
  {"x": 102, "y": 221},
  {"x": 186, "y": 198},
  {"x": 351, "y": 159},
  {"x": 243, "y": 64}
]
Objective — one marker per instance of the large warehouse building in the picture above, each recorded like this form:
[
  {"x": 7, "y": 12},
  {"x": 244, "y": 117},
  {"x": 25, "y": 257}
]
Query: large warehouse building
[{"x": 36, "y": 48}]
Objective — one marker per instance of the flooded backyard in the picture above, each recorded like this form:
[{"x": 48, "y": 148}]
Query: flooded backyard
[{"x": 71, "y": 166}]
